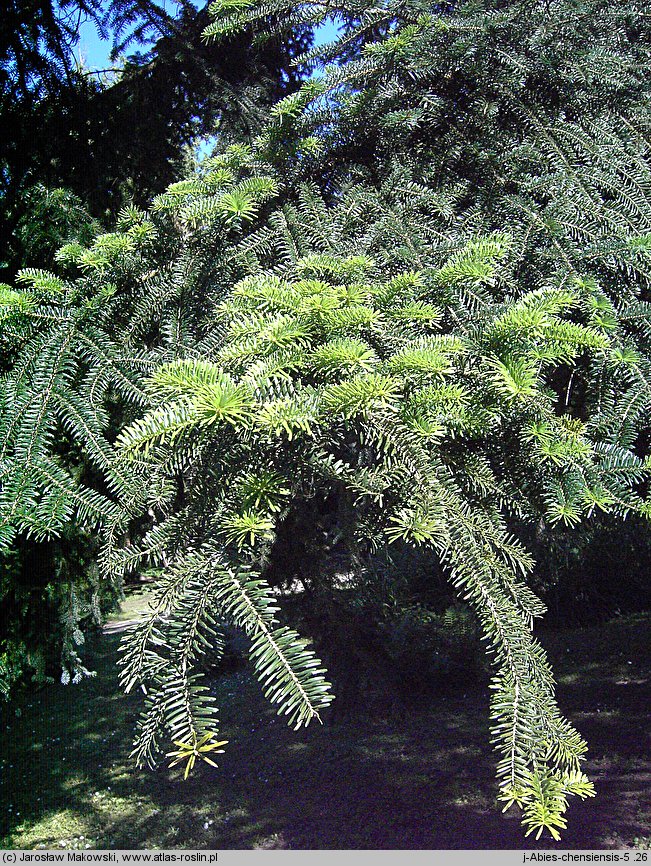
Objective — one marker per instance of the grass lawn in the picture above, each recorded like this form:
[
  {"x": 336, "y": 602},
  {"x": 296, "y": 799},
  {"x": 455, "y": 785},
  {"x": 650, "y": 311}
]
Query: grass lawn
[{"x": 421, "y": 781}]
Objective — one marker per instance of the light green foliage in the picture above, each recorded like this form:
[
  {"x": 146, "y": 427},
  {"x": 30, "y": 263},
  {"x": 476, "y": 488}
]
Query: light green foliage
[
  {"x": 389, "y": 401},
  {"x": 406, "y": 343}
]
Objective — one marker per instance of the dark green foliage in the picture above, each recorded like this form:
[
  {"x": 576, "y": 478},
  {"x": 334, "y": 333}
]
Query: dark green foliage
[
  {"x": 50, "y": 591},
  {"x": 52, "y": 218},
  {"x": 592, "y": 572},
  {"x": 421, "y": 336},
  {"x": 342, "y": 384},
  {"x": 122, "y": 135},
  {"x": 51, "y": 598}
]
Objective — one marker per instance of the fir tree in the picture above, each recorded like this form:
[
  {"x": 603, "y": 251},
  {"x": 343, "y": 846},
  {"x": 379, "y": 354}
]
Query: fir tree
[{"x": 314, "y": 318}]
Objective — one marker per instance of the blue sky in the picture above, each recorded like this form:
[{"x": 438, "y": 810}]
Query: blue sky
[
  {"x": 95, "y": 51},
  {"x": 91, "y": 48}
]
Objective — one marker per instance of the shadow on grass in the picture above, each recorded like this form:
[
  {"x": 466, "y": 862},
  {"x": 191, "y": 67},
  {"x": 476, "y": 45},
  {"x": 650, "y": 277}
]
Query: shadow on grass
[{"x": 423, "y": 781}]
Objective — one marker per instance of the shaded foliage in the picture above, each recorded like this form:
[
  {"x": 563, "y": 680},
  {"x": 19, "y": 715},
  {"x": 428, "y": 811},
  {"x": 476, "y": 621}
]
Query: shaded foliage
[
  {"x": 355, "y": 340},
  {"x": 112, "y": 138}
]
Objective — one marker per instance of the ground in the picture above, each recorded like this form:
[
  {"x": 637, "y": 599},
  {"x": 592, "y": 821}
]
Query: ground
[{"x": 421, "y": 781}]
